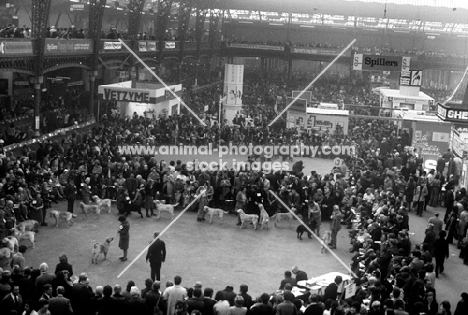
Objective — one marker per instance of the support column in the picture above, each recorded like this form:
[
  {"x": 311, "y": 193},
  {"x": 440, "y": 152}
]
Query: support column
[
  {"x": 37, "y": 105},
  {"x": 92, "y": 90}
]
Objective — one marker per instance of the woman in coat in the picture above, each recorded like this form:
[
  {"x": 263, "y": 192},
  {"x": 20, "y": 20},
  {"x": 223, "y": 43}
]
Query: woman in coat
[
  {"x": 335, "y": 225},
  {"x": 124, "y": 236}
]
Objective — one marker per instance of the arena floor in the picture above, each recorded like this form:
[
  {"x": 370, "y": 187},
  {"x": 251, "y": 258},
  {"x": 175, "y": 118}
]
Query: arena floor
[{"x": 217, "y": 255}]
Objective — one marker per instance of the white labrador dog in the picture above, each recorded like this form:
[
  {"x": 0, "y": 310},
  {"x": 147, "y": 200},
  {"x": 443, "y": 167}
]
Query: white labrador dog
[
  {"x": 264, "y": 217},
  {"x": 282, "y": 216},
  {"x": 215, "y": 211},
  {"x": 160, "y": 207},
  {"x": 246, "y": 218},
  {"x": 103, "y": 203}
]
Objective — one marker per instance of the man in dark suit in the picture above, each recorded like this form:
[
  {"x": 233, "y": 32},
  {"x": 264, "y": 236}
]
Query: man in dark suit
[
  {"x": 156, "y": 256},
  {"x": 300, "y": 275},
  {"x": 60, "y": 305},
  {"x": 81, "y": 296},
  {"x": 43, "y": 279},
  {"x": 208, "y": 302},
  {"x": 70, "y": 194},
  {"x": 12, "y": 302},
  {"x": 331, "y": 292}
]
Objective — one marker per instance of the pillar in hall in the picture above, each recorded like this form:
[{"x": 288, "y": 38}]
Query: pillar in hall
[
  {"x": 37, "y": 104},
  {"x": 92, "y": 88}
]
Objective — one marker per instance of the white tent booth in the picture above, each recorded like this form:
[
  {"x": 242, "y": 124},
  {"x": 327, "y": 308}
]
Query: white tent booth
[
  {"x": 398, "y": 99},
  {"x": 146, "y": 99}
]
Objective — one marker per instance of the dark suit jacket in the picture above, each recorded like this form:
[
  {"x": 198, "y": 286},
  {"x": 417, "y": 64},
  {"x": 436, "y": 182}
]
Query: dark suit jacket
[
  {"x": 45, "y": 278},
  {"x": 208, "y": 308},
  {"x": 60, "y": 306},
  {"x": 156, "y": 252},
  {"x": 301, "y": 275},
  {"x": 314, "y": 309},
  {"x": 136, "y": 306},
  {"x": 331, "y": 292},
  {"x": 8, "y": 304}
]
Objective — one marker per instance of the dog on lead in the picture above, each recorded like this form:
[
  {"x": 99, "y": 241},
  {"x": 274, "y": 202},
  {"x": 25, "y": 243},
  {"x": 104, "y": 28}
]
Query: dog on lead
[
  {"x": 279, "y": 216},
  {"x": 215, "y": 211},
  {"x": 28, "y": 225},
  {"x": 103, "y": 203},
  {"x": 326, "y": 238},
  {"x": 246, "y": 218},
  {"x": 67, "y": 216},
  {"x": 160, "y": 207},
  {"x": 264, "y": 217},
  {"x": 101, "y": 248},
  {"x": 301, "y": 229},
  {"x": 90, "y": 209}
]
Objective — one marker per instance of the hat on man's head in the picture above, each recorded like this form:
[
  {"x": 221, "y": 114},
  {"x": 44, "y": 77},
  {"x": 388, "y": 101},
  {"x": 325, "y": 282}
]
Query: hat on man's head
[{"x": 198, "y": 284}]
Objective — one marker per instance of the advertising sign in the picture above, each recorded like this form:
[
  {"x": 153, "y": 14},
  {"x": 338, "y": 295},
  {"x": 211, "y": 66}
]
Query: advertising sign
[
  {"x": 376, "y": 63},
  {"x": 55, "y": 46},
  {"x": 77, "y": 7},
  {"x": 142, "y": 46},
  {"x": 151, "y": 46},
  {"x": 405, "y": 63},
  {"x": 169, "y": 45},
  {"x": 112, "y": 45},
  {"x": 233, "y": 84},
  {"x": 318, "y": 51},
  {"x": 113, "y": 93},
  {"x": 452, "y": 114},
  {"x": 411, "y": 78},
  {"x": 256, "y": 46},
  {"x": 16, "y": 48}
]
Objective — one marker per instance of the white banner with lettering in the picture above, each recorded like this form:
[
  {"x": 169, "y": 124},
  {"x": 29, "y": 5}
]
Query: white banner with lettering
[{"x": 233, "y": 84}]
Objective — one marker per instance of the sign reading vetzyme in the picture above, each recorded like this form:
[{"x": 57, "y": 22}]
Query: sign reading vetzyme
[
  {"x": 376, "y": 63},
  {"x": 127, "y": 95}
]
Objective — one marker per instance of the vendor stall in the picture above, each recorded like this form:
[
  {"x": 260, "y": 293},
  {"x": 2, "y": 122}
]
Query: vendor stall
[
  {"x": 390, "y": 98},
  {"x": 319, "y": 284},
  {"x": 427, "y": 133},
  {"x": 142, "y": 99},
  {"x": 327, "y": 119}
]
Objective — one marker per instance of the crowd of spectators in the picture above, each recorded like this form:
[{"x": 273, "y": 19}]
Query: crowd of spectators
[{"x": 373, "y": 200}]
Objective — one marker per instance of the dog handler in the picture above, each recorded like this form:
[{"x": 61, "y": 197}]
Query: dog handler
[
  {"x": 124, "y": 236},
  {"x": 156, "y": 256}
]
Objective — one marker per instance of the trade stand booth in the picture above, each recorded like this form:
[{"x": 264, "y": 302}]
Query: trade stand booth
[
  {"x": 145, "y": 99},
  {"x": 390, "y": 98},
  {"x": 457, "y": 115},
  {"x": 427, "y": 133},
  {"x": 327, "y": 119}
]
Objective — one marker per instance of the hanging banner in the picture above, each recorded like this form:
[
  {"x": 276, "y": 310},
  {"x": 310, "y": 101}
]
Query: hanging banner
[
  {"x": 376, "y": 63},
  {"x": 151, "y": 46},
  {"x": 233, "y": 84},
  {"x": 16, "y": 47},
  {"x": 142, "y": 46},
  {"x": 112, "y": 45},
  {"x": 169, "y": 45},
  {"x": 55, "y": 46}
]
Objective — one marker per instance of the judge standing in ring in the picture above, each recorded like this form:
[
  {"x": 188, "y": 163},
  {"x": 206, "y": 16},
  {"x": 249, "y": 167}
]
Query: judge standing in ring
[
  {"x": 124, "y": 236},
  {"x": 156, "y": 256}
]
